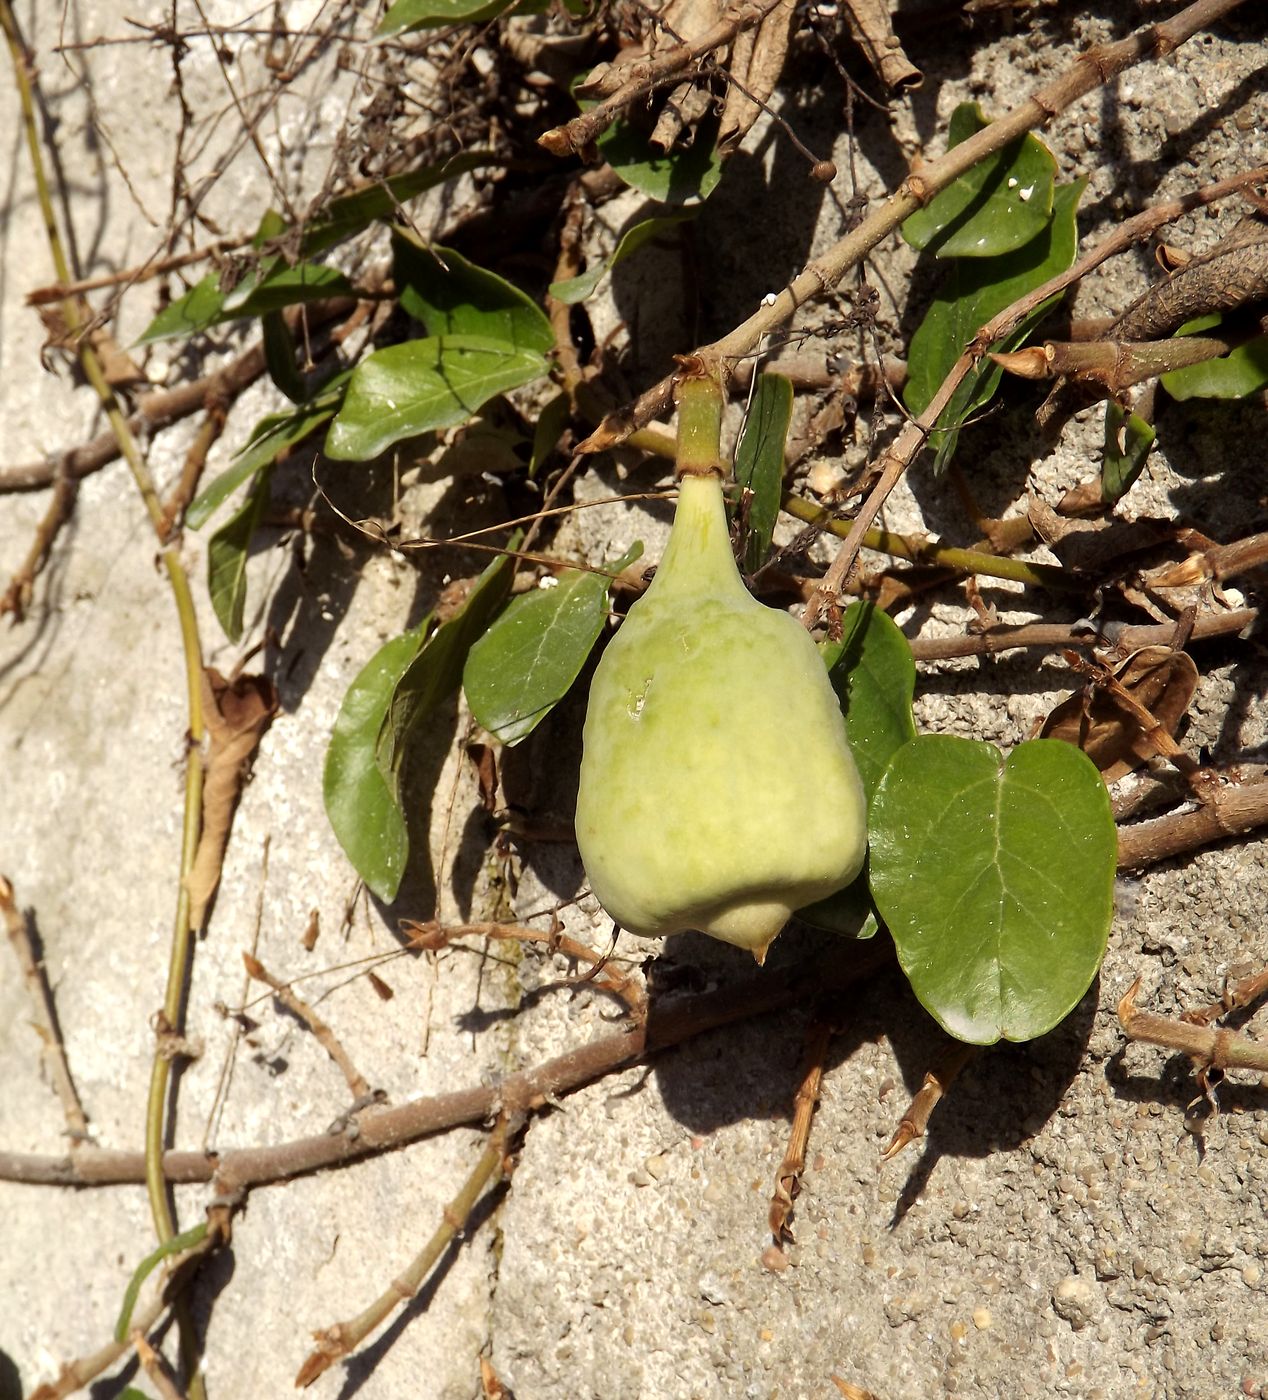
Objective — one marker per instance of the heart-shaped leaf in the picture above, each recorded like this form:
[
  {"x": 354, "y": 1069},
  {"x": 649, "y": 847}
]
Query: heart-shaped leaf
[{"x": 996, "y": 878}]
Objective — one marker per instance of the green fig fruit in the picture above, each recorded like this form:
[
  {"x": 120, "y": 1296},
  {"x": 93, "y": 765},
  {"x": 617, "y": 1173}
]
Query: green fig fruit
[{"x": 718, "y": 791}]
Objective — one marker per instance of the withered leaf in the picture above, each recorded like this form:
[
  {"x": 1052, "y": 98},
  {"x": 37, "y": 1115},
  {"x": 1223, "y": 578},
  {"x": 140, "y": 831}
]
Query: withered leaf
[
  {"x": 236, "y": 714},
  {"x": 1161, "y": 680}
]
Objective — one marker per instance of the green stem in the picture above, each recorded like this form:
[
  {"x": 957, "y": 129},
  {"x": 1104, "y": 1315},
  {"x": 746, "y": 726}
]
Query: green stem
[
  {"x": 160, "y": 1207},
  {"x": 700, "y": 405},
  {"x": 924, "y": 551}
]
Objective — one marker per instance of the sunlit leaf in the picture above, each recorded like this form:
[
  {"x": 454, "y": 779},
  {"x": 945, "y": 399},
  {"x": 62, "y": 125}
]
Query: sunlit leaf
[
  {"x": 227, "y": 553},
  {"x": 997, "y": 205},
  {"x": 433, "y": 14},
  {"x": 409, "y": 389},
  {"x": 759, "y": 463},
  {"x": 1241, "y": 372},
  {"x": 576, "y": 289},
  {"x": 452, "y": 296},
  {"x": 996, "y": 878},
  {"x": 1128, "y": 439},
  {"x": 274, "y": 286},
  {"x": 528, "y": 660}
]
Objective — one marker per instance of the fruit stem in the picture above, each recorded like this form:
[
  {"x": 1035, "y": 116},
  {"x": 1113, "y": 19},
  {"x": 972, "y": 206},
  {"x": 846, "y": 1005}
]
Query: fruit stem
[{"x": 700, "y": 404}]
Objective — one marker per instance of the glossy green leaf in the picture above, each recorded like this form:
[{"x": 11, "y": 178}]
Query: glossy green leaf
[
  {"x": 410, "y": 389},
  {"x": 1128, "y": 439},
  {"x": 227, "y": 553},
  {"x": 1233, "y": 376},
  {"x": 406, "y": 15},
  {"x": 874, "y": 676},
  {"x": 271, "y": 438},
  {"x": 576, "y": 289},
  {"x": 975, "y": 290},
  {"x": 436, "y": 672},
  {"x": 997, "y": 205},
  {"x": 527, "y": 661},
  {"x": 996, "y": 878},
  {"x": 680, "y": 177},
  {"x": 361, "y": 800},
  {"x": 759, "y": 463},
  {"x": 452, "y": 296}
]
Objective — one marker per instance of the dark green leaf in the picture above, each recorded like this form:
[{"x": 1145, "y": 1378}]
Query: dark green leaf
[
  {"x": 680, "y": 177},
  {"x": 409, "y": 389},
  {"x": 437, "y": 670},
  {"x": 1233, "y": 376},
  {"x": 973, "y": 292},
  {"x": 874, "y": 676},
  {"x": 550, "y": 423},
  {"x": 997, "y": 205},
  {"x": 577, "y": 289},
  {"x": 199, "y": 308},
  {"x": 432, "y": 14},
  {"x": 1128, "y": 439},
  {"x": 271, "y": 438},
  {"x": 227, "y": 554},
  {"x": 996, "y": 878},
  {"x": 526, "y": 662},
  {"x": 452, "y": 296},
  {"x": 361, "y": 800},
  {"x": 279, "y": 356},
  {"x": 759, "y": 463}
]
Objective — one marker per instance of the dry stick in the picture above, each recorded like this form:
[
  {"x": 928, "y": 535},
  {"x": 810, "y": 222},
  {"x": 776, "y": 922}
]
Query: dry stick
[
  {"x": 946, "y": 1070},
  {"x": 1111, "y": 365},
  {"x": 788, "y": 1177},
  {"x": 380, "y": 1129},
  {"x": 17, "y": 597},
  {"x": 1227, "y": 811},
  {"x": 1208, "y": 1048},
  {"x": 152, "y": 1364},
  {"x": 337, "y": 1341},
  {"x": 1245, "y": 993},
  {"x": 358, "y": 1085},
  {"x": 44, "y": 1016},
  {"x": 1089, "y": 71},
  {"x": 77, "y": 1374},
  {"x": 581, "y": 132}
]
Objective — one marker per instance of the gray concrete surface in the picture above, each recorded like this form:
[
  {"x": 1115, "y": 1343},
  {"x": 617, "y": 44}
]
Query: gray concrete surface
[{"x": 1059, "y": 1233}]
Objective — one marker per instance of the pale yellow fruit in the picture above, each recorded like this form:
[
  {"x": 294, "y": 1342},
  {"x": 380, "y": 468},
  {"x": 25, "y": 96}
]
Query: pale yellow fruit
[{"x": 718, "y": 791}]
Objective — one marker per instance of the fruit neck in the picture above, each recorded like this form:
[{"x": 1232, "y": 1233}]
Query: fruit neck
[{"x": 698, "y": 558}]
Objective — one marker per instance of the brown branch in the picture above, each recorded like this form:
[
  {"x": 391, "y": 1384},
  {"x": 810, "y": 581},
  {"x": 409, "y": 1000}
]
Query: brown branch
[
  {"x": 43, "y": 1013},
  {"x": 379, "y": 1129},
  {"x": 182, "y": 493},
  {"x": 788, "y": 1177},
  {"x": 344, "y": 1337},
  {"x": 152, "y": 1364},
  {"x": 156, "y": 410},
  {"x": 1111, "y": 365},
  {"x": 624, "y": 84},
  {"x": 1208, "y": 1048},
  {"x": 1228, "y": 811},
  {"x": 946, "y": 1070},
  {"x": 17, "y": 597},
  {"x": 358, "y": 1085},
  {"x": 1236, "y": 998},
  {"x": 1090, "y": 70}
]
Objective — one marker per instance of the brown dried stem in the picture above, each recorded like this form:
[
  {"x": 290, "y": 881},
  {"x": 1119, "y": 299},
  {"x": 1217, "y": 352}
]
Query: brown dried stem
[
  {"x": 1230, "y": 810},
  {"x": 43, "y": 1014},
  {"x": 17, "y": 597},
  {"x": 344, "y": 1337},
  {"x": 358, "y": 1085},
  {"x": 946, "y": 1070},
  {"x": 1090, "y": 70},
  {"x": 788, "y": 1177},
  {"x": 153, "y": 1366},
  {"x": 1209, "y": 1048},
  {"x": 873, "y": 31}
]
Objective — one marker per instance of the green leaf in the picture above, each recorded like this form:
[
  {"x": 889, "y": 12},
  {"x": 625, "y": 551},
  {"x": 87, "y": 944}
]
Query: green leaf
[
  {"x": 996, "y": 878},
  {"x": 1127, "y": 443},
  {"x": 577, "y": 289},
  {"x": 874, "y": 676},
  {"x": 997, "y": 205},
  {"x": 361, "y": 800},
  {"x": 176, "y": 1245},
  {"x": 437, "y": 670},
  {"x": 680, "y": 177},
  {"x": 409, "y": 389},
  {"x": 274, "y": 286},
  {"x": 759, "y": 463},
  {"x": 527, "y": 661},
  {"x": 227, "y": 554},
  {"x": 271, "y": 438},
  {"x": 1233, "y": 376},
  {"x": 452, "y": 296},
  {"x": 432, "y": 14},
  {"x": 550, "y": 423},
  {"x": 279, "y": 357},
  {"x": 973, "y": 292}
]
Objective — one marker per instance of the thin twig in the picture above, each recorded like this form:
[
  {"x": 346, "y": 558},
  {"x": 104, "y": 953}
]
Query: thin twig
[
  {"x": 61, "y": 507},
  {"x": 344, "y": 1337},
  {"x": 1209, "y": 1048},
  {"x": 788, "y": 1177},
  {"x": 946, "y": 1070},
  {"x": 154, "y": 1367},
  {"x": 43, "y": 1014},
  {"x": 1230, "y": 810},
  {"x": 358, "y": 1085}
]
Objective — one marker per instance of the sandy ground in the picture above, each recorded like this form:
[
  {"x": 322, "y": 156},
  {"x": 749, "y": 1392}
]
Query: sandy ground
[{"x": 1057, "y": 1233}]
